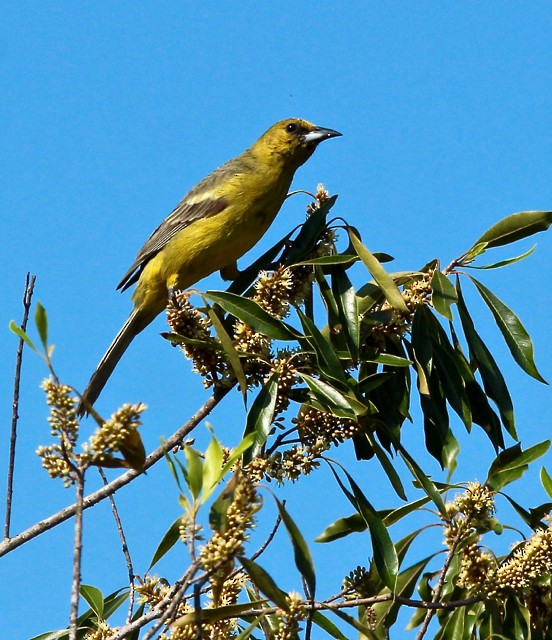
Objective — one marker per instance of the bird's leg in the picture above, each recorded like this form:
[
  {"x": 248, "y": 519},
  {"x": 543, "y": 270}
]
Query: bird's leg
[{"x": 230, "y": 271}]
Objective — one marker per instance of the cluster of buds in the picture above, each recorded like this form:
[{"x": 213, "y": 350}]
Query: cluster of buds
[
  {"x": 186, "y": 321},
  {"x": 102, "y": 632},
  {"x": 289, "y": 619},
  {"x": 358, "y": 584}
]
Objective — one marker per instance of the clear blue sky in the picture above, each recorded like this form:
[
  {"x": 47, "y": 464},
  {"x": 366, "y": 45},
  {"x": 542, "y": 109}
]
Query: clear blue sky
[{"x": 112, "y": 111}]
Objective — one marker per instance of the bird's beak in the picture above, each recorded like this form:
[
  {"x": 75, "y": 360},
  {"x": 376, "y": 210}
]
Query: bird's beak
[{"x": 320, "y": 134}]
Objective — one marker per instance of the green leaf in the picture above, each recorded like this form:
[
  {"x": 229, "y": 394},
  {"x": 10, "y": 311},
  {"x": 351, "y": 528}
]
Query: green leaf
[
  {"x": 52, "y": 635},
  {"x": 229, "y": 350},
  {"x": 301, "y": 553},
  {"x": 253, "y": 315},
  {"x": 546, "y": 481},
  {"x": 325, "y": 353},
  {"x": 194, "y": 477},
  {"x": 264, "y": 582},
  {"x": 328, "y": 626},
  {"x": 340, "y": 259},
  {"x": 366, "y": 633},
  {"x": 380, "y": 275},
  {"x": 94, "y": 598},
  {"x": 168, "y": 541},
  {"x": 423, "y": 479},
  {"x": 443, "y": 294},
  {"x": 212, "y": 467},
  {"x": 515, "y": 227},
  {"x": 514, "y": 333},
  {"x": 388, "y": 467},
  {"x": 329, "y": 397},
  {"x": 218, "y": 520},
  {"x": 216, "y": 614},
  {"x": 493, "y": 380},
  {"x": 310, "y": 231},
  {"x": 23, "y": 336},
  {"x": 346, "y": 299},
  {"x": 41, "y": 320},
  {"x": 261, "y": 415},
  {"x": 342, "y": 527},
  {"x": 398, "y": 514},
  {"x": 512, "y": 463},
  {"x": 505, "y": 263},
  {"x": 385, "y": 556},
  {"x": 391, "y": 360}
]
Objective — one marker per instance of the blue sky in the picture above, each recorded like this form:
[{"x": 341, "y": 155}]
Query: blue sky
[{"x": 112, "y": 111}]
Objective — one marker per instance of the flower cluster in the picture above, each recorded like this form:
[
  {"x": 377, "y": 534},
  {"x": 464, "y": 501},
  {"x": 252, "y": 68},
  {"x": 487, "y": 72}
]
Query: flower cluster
[
  {"x": 116, "y": 433},
  {"x": 289, "y": 619}
]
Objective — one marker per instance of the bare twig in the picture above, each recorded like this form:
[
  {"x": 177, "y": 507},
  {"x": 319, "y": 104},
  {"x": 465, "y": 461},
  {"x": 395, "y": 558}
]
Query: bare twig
[
  {"x": 265, "y": 544},
  {"x": 77, "y": 558},
  {"x": 440, "y": 584},
  {"x": 124, "y": 545},
  {"x": 27, "y": 297},
  {"x": 97, "y": 496}
]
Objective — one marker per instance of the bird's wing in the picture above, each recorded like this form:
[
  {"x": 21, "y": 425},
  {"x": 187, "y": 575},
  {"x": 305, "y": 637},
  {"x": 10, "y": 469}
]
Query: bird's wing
[{"x": 199, "y": 203}]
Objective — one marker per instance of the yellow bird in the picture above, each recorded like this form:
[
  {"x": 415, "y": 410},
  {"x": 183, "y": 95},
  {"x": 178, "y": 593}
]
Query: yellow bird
[{"x": 218, "y": 221}]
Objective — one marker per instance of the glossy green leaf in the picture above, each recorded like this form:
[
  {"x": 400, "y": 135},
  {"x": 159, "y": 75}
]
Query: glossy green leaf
[
  {"x": 52, "y": 635},
  {"x": 301, "y": 553},
  {"x": 212, "y": 468},
  {"x": 546, "y": 481},
  {"x": 264, "y": 582},
  {"x": 168, "y": 541},
  {"x": 41, "y": 321},
  {"x": 342, "y": 528},
  {"x": 260, "y": 416},
  {"x": 443, "y": 294},
  {"x": 512, "y": 463},
  {"x": 347, "y": 303},
  {"x": 515, "y": 227},
  {"x": 493, "y": 380},
  {"x": 329, "y": 397},
  {"x": 339, "y": 259},
  {"x": 388, "y": 467},
  {"x": 385, "y": 556},
  {"x": 380, "y": 275},
  {"x": 94, "y": 597},
  {"x": 310, "y": 231},
  {"x": 230, "y": 351},
  {"x": 398, "y": 514},
  {"x": 325, "y": 353},
  {"x": 216, "y": 614},
  {"x": 253, "y": 315},
  {"x": 237, "y": 452},
  {"x": 505, "y": 263},
  {"x": 391, "y": 360},
  {"x": 327, "y": 626},
  {"x": 517, "y": 338},
  {"x": 364, "y": 630},
  {"x": 427, "y": 485},
  {"x": 218, "y": 520},
  {"x": 23, "y": 336},
  {"x": 194, "y": 476}
]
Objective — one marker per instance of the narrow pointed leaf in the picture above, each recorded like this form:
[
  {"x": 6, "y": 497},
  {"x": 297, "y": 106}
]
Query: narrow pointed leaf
[
  {"x": 23, "y": 336},
  {"x": 342, "y": 527},
  {"x": 329, "y": 397},
  {"x": 260, "y": 416},
  {"x": 253, "y": 315},
  {"x": 443, "y": 294},
  {"x": 168, "y": 541},
  {"x": 41, "y": 320},
  {"x": 546, "y": 481},
  {"x": 301, "y": 553},
  {"x": 94, "y": 598},
  {"x": 516, "y": 226},
  {"x": 311, "y": 230},
  {"x": 194, "y": 478},
  {"x": 211, "y": 468},
  {"x": 505, "y": 263},
  {"x": 380, "y": 275},
  {"x": 217, "y": 613},
  {"x": 517, "y": 338},
  {"x": 423, "y": 479},
  {"x": 346, "y": 299},
  {"x": 328, "y": 626},
  {"x": 325, "y": 353},
  {"x": 264, "y": 582},
  {"x": 229, "y": 350}
]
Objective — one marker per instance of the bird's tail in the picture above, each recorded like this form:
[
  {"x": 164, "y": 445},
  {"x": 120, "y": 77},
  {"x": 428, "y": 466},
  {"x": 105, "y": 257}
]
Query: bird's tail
[{"x": 132, "y": 327}]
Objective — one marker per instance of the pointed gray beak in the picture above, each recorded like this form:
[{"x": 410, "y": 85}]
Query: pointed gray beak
[{"x": 319, "y": 135}]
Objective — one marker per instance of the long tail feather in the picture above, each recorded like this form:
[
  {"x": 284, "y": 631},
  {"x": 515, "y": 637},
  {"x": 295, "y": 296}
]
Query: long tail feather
[{"x": 132, "y": 327}]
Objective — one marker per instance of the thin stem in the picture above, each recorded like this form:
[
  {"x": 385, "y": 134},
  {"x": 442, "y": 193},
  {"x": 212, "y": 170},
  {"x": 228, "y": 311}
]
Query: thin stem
[
  {"x": 440, "y": 584},
  {"x": 97, "y": 496},
  {"x": 27, "y": 298},
  {"x": 77, "y": 558},
  {"x": 124, "y": 544}
]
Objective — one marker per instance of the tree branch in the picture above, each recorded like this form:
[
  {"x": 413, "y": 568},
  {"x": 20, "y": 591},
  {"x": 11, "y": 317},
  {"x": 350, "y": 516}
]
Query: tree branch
[{"x": 97, "y": 496}]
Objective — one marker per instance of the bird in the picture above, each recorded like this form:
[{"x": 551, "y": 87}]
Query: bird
[{"x": 216, "y": 223}]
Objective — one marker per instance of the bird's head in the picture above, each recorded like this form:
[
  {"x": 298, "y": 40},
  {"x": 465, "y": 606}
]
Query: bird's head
[{"x": 293, "y": 141}]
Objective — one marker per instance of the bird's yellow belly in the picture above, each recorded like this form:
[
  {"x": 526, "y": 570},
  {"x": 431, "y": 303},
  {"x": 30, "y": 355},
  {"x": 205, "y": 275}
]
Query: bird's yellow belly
[{"x": 207, "y": 245}]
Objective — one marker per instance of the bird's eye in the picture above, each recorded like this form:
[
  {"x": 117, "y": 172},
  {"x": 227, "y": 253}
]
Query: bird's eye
[{"x": 292, "y": 127}]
